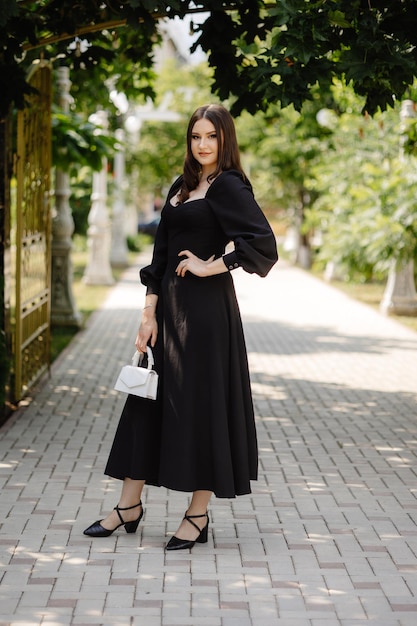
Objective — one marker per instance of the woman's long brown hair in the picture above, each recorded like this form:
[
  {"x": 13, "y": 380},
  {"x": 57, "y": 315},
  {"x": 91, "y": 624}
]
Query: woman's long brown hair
[{"x": 228, "y": 155}]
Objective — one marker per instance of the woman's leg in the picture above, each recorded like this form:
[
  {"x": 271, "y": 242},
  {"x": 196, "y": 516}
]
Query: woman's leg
[
  {"x": 130, "y": 497},
  {"x": 198, "y": 506}
]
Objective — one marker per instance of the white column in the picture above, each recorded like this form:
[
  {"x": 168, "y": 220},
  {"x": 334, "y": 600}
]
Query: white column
[
  {"x": 400, "y": 296},
  {"x": 119, "y": 250},
  {"x": 98, "y": 270},
  {"x": 63, "y": 308}
]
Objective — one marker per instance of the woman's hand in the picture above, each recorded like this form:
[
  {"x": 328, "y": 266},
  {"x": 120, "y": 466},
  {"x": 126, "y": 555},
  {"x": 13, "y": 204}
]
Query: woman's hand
[
  {"x": 148, "y": 331},
  {"x": 193, "y": 264}
]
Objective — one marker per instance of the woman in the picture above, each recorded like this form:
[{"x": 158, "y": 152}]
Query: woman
[{"x": 199, "y": 435}]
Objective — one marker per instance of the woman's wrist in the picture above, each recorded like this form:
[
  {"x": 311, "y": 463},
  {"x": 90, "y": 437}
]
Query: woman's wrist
[
  {"x": 216, "y": 267},
  {"x": 150, "y": 303}
]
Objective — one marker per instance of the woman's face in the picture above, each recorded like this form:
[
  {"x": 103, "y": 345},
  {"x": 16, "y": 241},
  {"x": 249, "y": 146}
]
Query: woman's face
[{"x": 204, "y": 145}]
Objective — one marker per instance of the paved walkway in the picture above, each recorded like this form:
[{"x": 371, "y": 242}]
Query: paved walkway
[{"x": 329, "y": 535}]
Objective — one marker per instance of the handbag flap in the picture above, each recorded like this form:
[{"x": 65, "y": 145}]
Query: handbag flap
[{"x": 135, "y": 376}]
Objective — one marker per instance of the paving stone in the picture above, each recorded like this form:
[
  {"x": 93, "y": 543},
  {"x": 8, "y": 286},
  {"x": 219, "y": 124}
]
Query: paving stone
[{"x": 327, "y": 538}]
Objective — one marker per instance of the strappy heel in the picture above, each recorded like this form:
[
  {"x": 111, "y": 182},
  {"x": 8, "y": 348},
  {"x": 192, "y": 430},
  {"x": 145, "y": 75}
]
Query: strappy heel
[
  {"x": 181, "y": 544},
  {"x": 97, "y": 530}
]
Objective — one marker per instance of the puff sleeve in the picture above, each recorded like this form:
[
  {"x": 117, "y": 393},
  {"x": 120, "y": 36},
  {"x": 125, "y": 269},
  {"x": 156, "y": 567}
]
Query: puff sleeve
[{"x": 243, "y": 222}]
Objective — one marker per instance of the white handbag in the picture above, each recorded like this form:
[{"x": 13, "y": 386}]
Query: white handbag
[{"x": 136, "y": 380}]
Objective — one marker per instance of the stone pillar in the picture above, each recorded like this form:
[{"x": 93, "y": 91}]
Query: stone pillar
[
  {"x": 63, "y": 308},
  {"x": 400, "y": 296},
  {"x": 119, "y": 250},
  {"x": 98, "y": 270}
]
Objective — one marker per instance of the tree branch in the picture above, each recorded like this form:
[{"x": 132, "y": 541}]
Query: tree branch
[{"x": 93, "y": 28}]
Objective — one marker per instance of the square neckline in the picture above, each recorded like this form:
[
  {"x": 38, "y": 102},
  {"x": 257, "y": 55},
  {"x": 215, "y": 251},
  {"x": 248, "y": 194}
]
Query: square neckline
[{"x": 187, "y": 201}]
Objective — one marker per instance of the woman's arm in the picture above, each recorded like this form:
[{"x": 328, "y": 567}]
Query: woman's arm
[
  {"x": 148, "y": 329},
  {"x": 243, "y": 222}
]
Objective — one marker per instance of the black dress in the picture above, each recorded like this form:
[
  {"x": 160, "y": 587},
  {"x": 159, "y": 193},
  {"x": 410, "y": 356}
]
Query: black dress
[{"x": 200, "y": 432}]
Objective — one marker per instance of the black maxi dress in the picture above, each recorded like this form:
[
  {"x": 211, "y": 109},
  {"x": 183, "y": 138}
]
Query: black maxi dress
[{"x": 200, "y": 431}]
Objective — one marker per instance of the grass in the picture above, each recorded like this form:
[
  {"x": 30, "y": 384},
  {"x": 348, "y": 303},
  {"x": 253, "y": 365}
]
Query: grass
[{"x": 371, "y": 294}]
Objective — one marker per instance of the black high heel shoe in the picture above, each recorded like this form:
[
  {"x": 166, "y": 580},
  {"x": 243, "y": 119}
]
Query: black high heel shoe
[
  {"x": 181, "y": 544},
  {"x": 97, "y": 530}
]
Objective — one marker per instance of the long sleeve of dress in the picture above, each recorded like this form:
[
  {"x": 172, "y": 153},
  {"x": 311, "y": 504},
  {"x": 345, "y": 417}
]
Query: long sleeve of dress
[
  {"x": 243, "y": 222},
  {"x": 151, "y": 275}
]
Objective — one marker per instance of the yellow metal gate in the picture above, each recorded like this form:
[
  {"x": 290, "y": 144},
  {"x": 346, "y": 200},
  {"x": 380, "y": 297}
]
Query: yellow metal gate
[{"x": 33, "y": 235}]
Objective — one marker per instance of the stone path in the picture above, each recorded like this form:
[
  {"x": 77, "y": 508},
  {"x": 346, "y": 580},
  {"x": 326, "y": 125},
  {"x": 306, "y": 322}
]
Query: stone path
[{"x": 329, "y": 535}]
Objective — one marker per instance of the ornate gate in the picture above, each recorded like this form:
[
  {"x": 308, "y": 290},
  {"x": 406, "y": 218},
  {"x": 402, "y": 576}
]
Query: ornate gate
[{"x": 33, "y": 235}]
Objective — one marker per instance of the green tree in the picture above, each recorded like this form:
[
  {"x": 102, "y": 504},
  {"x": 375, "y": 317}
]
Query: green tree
[
  {"x": 302, "y": 43},
  {"x": 281, "y": 150},
  {"x": 157, "y": 156},
  {"x": 261, "y": 52},
  {"x": 77, "y": 143},
  {"x": 366, "y": 206}
]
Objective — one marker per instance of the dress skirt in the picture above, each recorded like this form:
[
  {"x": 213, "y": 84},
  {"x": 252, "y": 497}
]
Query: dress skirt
[{"x": 200, "y": 432}]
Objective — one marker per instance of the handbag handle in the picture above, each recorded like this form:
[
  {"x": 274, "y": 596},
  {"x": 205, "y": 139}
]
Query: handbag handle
[{"x": 138, "y": 358}]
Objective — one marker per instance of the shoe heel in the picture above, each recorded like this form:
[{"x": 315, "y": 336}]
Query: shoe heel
[
  {"x": 203, "y": 536},
  {"x": 131, "y": 527}
]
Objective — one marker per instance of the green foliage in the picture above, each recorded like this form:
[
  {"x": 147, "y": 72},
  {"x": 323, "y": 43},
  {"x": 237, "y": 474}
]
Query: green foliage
[
  {"x": 119, "y": 59},
  {"x": 366, "y": 209},
  {"x": 369, "y": 45},
  {"x": 53, "y": 25},
  {"x": 280, "y": 150},
  {"x": 80, "y": 200},
  {"x": 157, "y": 155},
  {"x": 133, "y": 243},
  {"x": 77, "y": 143},
  {"x": 345, "y": 184},
  {"x": 260, "y": 52},
  {"x": 409, "y": 135}
]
